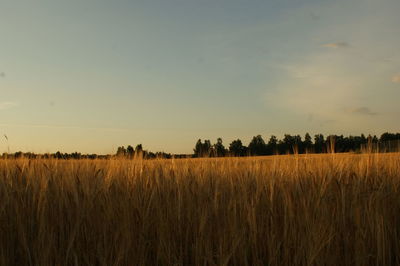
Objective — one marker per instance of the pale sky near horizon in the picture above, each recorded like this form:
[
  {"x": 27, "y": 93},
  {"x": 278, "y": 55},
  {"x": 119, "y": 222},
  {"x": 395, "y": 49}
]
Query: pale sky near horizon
[{"x": 92, "y": 75}]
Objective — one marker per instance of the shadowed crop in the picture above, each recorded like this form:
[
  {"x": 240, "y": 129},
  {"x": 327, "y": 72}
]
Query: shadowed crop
[{"x": 282, "y": 210}]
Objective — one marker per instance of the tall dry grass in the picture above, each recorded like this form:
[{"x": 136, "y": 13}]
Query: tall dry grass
[{"x": 283, "y": 210}]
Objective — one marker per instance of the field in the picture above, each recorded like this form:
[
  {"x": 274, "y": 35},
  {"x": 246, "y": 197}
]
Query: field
[{"x": 332, "y": 209}]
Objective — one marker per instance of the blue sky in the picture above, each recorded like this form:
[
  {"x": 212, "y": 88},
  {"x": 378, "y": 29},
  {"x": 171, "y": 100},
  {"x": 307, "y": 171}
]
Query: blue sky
[{"x": 93, "y": 75}]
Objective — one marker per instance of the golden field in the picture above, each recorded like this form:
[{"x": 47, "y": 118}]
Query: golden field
[{"x": 332, "y": 209}]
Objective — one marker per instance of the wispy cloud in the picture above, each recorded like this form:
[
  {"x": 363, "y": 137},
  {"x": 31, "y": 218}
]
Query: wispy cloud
[
  {"x": 336, "y": 45},
  {"x": 64, "y": 127},
  {"x": 320, "y": 88},
  {"x": 362, "y": 111},
  {"x": 7, "y": 105},
  {"x": 396, "y": 78}
]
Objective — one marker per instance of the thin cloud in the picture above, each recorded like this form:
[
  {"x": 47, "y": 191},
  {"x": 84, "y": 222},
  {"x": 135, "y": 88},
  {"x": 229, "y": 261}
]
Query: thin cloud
[
  {"x": 336, "y": 45},
  {"x": 396, "y": 78},
  {"x": 7, "y": 105},
  {"x": 363, "y": 111},
  {"x": 63, "y": 127}
]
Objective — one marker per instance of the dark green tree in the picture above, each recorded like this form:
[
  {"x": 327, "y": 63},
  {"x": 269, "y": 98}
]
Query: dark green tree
[
  {"x": 319, "y": 143},
  {"x": 236, "y": 148},
  {"x": 121, "y": 151},
  {"x": 139, "y": 153},
  {"x": 331, "y": 144},
  {"x": 198, "y": 149},
  {"x": 58, "y": 155},
  {"x": 257, "y": 146},
  {"x": 203, "y": 149},
  {"x": 219, "y": 148},
  {"x": 272, "y": 145},
  {"x": 207, "y": 147},
  {"x": 307, "y": 143},
  {"x": 130, "y": 151}
]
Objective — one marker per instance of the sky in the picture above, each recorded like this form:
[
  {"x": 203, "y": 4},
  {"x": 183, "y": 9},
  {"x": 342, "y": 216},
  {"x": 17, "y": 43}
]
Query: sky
[{"x": 92, "y": 75}]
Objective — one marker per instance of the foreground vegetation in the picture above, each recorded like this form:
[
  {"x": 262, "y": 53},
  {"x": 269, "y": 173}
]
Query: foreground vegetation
[{"x": 282, "y": 210}]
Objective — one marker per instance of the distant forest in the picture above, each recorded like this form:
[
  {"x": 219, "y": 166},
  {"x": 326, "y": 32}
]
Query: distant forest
[
  {"x": 388, "y": 142},
  {"x": 290, "y": 144}
]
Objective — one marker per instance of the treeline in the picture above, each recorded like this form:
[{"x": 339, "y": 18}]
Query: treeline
[
  {"x": 129, "y": 152},
  {"x": 387, "y": 142},
  {"x": 57, "y": 155},
  {"x": 289, "y": 144},
  {"x": 138, "y": 152}
]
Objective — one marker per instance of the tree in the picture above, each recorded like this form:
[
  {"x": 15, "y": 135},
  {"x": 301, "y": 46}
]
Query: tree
[
  {"x": 236, "y": 148},
  {"x": 307, "y": 143},
  {"x": 319, "y": 143},
  {"x": 297, "y": 145},
  {"x": 130, "y": 151},
  {"x": 198, "y": 149},
  {"x": 389, "y": 142},
  {"x": 341, "y": 143},
  {"x": 330, "y": 144},
  {"x": 287, "y": 144},
  {"x": 257, "y": 146},
  {"x": 202, "y": 149},
  {"x": 58, "y": 155},
  {"x": 389, "y": 137},
  {"x": 75, "y": 155},
  {"x": 272, "y": 145},
  {"x": 219, "y": 148},
  {"x": 139, "y": 153},
  {"x": 207, "y": 147},
  {"x": 290, "y": 144},
  {"x": 121, "y": 151}
]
